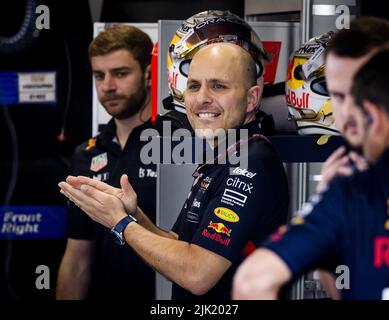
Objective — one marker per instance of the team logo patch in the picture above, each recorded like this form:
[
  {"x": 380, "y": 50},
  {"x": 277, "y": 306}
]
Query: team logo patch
[
  {"x": 217, "y": 237},
  {"x": 239, "y": 184},
  {"x": 91, "y": 144},
  {"x": 219, "y": 227},
  {"x": 196, "y": 203},
  {"x": 101, "y": 176},
  {"x": 144, "y": 172},
  {"x": 99, "y": 162},
  {"x": 204, "y": 184},
  {"x": 232, "y": 197},
  {"x": 207, "y": 179},
  {"x": 244, "y": 172},
  {"x": 226, "y": 214},
  {"x": 192, "y": 217}
]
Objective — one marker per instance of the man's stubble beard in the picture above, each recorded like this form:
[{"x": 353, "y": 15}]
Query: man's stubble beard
[{"x": 134, "y": 104}]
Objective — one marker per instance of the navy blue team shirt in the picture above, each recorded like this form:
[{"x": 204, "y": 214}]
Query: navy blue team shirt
[
  {"x": 231, "y": 209},
  {"x": 349, "y": 227}
]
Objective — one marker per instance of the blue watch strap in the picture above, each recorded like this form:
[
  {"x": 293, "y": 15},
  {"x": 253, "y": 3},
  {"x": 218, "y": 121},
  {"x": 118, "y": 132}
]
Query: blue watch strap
[
  {"x": 118, "y": 230},
  {"x": 122, "y": 224}
]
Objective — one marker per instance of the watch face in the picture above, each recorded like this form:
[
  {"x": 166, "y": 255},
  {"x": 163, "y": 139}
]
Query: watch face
[
  {"x": 118, "y": 237},
  {"x": 117, "y": 231}
]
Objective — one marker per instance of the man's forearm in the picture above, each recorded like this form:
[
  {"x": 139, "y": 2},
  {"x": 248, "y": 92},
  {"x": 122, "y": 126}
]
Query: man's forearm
[
  {"x": 146, "y": 223},
  {"x": 181, "y": 262},
  {"x": 72, "y": 284},
  {"x": 260, "y": 276}
]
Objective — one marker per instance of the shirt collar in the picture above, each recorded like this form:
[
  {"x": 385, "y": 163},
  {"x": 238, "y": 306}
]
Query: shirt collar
[
  {"x": 253, "y": 128},
  {"x": 108, "y": 135}
]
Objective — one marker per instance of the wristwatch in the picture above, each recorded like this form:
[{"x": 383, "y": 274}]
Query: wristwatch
[{"x": 117, "y": 231}]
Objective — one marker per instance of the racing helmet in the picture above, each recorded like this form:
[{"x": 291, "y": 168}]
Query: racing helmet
[
  {"x": 204, "y": 28},
  {"x": 306, "y": 92}
]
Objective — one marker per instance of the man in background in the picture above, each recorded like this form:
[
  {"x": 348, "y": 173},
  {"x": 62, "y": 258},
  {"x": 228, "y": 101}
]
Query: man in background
[
  {"x": 345, "y": 54},
  {"x": 93, "y": 266}
]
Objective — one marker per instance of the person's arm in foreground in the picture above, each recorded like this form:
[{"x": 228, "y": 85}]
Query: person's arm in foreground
[
  {"x": 328, "y": 281},
  {"x": 260, "y": 276},
  {"x": 74, "y": 273},
  {"x": 307, "y": 244}
]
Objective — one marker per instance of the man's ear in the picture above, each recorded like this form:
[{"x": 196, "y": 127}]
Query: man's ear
[
  {"x": 253, "y": 98},
  {"x": 372, "y": 114},
  {"x": 147, "y": 75}
]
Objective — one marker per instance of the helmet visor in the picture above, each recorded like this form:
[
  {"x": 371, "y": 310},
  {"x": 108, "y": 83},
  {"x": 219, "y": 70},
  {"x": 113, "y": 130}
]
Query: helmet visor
[{"x": 213, "y": 31}]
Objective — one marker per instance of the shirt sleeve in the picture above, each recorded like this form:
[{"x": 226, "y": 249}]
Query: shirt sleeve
[
  {"x": 244, "y": 206},
  {"x": 176, "y": 226},
  {"x": 314, "y": 240},
  {"x": 79, "y": 225}
]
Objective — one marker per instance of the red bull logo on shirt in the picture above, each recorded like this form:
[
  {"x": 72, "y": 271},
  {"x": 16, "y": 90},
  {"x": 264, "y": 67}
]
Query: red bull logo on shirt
[
  {"x": 219, "y": 227},
  {"x": 218, "y": 237}
]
